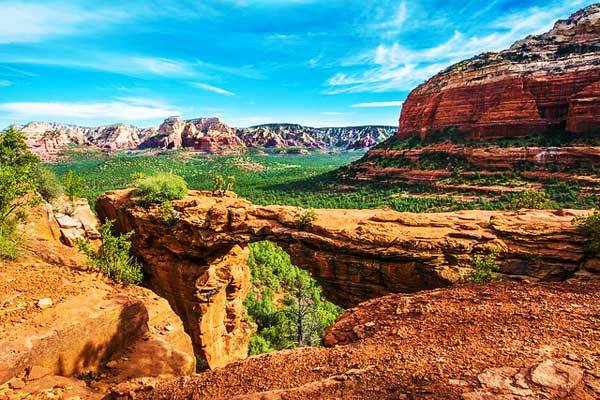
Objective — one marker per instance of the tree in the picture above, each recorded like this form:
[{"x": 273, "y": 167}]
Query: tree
[
  {"x": 73, "y": 185},
  {"x": 300, "y": 318},
  {"x": 17, "y": 165}
]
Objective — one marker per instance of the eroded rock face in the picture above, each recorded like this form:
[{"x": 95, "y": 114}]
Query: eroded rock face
[
  {"x": 199, "y": 262},
  {"x": 550, "y": 80}
]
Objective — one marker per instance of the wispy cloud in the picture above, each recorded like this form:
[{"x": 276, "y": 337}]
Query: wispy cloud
[
  {"x": 134, "y": 65},
  {"x": 119, "y": 110},
  {"x": 24, "y": 21},
  {"x": 211, "y": 88},
  {"x": 396, "y": 67},
  {"x": 378, "y": 104}
]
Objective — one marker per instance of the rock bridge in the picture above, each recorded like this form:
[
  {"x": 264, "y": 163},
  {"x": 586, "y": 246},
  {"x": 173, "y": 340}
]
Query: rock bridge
[{"x": 198, "y": 260}]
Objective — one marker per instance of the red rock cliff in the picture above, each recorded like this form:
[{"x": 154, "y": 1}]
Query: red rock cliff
[{"x": 550, "y": 80}]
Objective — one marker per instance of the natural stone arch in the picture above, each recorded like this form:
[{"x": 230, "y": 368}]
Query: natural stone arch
[{"x": 199, "y": 261}]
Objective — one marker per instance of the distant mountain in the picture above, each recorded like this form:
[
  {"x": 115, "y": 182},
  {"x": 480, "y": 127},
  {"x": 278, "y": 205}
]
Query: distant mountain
[{"x": 208, "y": 135}]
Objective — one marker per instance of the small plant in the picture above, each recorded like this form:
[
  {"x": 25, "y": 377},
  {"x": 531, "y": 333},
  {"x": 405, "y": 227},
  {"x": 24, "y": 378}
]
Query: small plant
[
  {"x": 73, "y": 185},
  {"x": 113, "y": 256},
  {"x": 8, "y": 239},
  {"x": 484, "y": 268},
  {"x": 157, "y": 189},
  {"x": 590, "y": 226},
  {"x": 167, "y": 213},
  {"x": 201, "y": 364},
  {"x": 305, "y": 218},
  {"x": 533, "y": 199},
  {"x": 218, "y": 185},
  {"x": 229, "y": 183}
]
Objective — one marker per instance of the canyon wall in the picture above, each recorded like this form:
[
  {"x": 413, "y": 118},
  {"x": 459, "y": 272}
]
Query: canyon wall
[
  {"x": 540, "y": 82},
  {"x": 198, "y": 261}
]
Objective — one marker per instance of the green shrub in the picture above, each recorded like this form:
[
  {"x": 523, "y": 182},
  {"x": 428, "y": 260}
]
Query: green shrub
[
  {"x": 259, "y": 345},
  {"x": 73, "y": 185},
  {"x": 484, "y": 268},
  {"x": 305, "y": 218},
  {"x": 113, "y": 257},
  {"x": 590, "y": 226},
  {"x": 48, "y": 185},
  {"x": 159, "y": 188},
  {"x": 8, "y": 239},
  {"x": 534, "y": 199},
  {"x": 229, "y": 183},
  {"x": 218, "y": 185},
  {"x": 167, "y": 213}
]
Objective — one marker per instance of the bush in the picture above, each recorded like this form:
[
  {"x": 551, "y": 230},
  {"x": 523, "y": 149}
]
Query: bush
[
  {"x": 48, "y": 185},
  {"x": 305, "y": 218},
  {"x": 167, "y": 213},
  {"x": 259, "y": 345},
  {"x": 113, "y": 256},
  {"x": 8, "y": 239},
  {"x": 159, "y": 188},
  {"x": 590, "y": 226},
  {"x": 73, "y": 185},
  {"x": 484, "y": 268},
  {"x": 534, "y": 199}
]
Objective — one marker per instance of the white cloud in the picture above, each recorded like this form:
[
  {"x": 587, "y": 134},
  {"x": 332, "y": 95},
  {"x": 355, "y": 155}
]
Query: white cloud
[
  {"x": 395, "y": 67},
  {"x": 211, "y": 88},
  {"x": 379, "y": 104},
  {"x": 116, "y": 63},
  {"x": 26, "y": 21},
  {"x": 116, "y": 110}
]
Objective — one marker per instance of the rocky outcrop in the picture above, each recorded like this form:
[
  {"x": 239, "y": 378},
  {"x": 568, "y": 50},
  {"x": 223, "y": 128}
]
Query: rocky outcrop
[
  {"x": 545, "y": 81},
  {"x": 470, "y": 342},
  {"x": 204, "y": 134},
  {"x": 294, "y": 135},
  {"x": 60, "y": 318},
  {"x": 198, "y": 262},
  {"x": 208, "y": 135},
  {"x": 498, "y": 158},
  {"x": 47, "y": 139}
]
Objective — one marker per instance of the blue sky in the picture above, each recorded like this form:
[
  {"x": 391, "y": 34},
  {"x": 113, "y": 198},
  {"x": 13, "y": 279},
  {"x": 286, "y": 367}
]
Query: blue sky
[{"x": 315, "y": 62}]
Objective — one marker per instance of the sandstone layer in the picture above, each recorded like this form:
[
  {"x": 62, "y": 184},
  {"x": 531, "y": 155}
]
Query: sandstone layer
[
  {"x": 198, "y": 261},
  {"x": 472, "y": 342},
  {"x": 540, "y": 82},
  {"x": 60, "y": 318}
]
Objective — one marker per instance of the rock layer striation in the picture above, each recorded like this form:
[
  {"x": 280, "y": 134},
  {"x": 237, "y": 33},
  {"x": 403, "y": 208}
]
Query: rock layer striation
[
  {"x": 198, "y": 261},
  {"x": 540, "y": 82}
]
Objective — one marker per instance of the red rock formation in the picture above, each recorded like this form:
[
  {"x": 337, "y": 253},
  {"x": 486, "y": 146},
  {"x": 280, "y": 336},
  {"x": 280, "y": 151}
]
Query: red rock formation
[
  {"x": 550, "y": 80},
  {"x": 469, "y": 342},
  {"x": 198, "y": 263}
]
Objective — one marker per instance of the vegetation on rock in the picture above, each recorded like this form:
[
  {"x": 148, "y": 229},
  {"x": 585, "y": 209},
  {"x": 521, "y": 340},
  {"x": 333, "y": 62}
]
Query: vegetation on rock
[
  {"x": 159, "y": 188},
  {"x": 285, "y": 302},
  {"x": 484, "y": 268},
  {"x": 531, "y": 199},
  {"x": 305, "y": 218},
  {"x": 113, "y": 256},
  {"x": 21, "y": 176},
  {"x": 590, "y": 226},
  {"x": 73, "y": 185}
]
